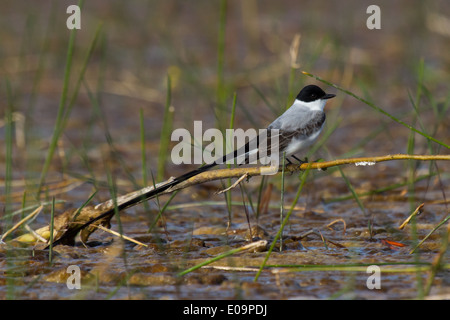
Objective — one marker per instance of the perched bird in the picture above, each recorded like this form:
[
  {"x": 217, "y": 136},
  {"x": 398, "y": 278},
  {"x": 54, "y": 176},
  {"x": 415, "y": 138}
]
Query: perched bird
[{"x": 296, "y": 129}]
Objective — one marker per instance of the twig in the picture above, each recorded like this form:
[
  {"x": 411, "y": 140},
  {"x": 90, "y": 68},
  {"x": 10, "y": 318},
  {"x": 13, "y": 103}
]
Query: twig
[
  {"x": 228, "y": 268},
  {"x": 251, "y": 246},
  {"x": 256, "y": 171},
  {"x": 245, "y": 175},
  {"x": 417, "y": 211},
  {"x": 35, "y": 234},
  {"x": 121, "y": 235},
  {"x": 31, "y": 215},
  {"x": 336, "y": 221},
  {"x": 107, "y": 209}
]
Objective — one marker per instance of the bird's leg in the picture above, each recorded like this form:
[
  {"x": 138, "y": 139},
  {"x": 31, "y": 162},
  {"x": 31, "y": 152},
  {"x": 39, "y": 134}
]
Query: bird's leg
[
  {"x": 300, "y": 161},
  {"x": 289, "y": 162}
]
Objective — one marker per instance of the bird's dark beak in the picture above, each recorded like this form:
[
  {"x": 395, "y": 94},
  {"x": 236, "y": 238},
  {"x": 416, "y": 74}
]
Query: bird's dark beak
[{"x": 329, "y": 96}]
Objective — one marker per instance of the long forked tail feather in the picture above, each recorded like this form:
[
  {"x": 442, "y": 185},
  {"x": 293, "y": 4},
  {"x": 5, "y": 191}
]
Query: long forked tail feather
[{"x": 146, "y": 196}]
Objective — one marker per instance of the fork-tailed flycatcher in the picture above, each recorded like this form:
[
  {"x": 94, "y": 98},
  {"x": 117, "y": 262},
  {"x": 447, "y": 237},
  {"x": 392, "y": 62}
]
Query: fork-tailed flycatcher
[{"x": 296, "y": 129}]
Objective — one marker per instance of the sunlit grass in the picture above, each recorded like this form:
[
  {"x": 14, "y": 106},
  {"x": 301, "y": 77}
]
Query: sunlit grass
[
  {"x": 10, "y": 282},
  {"x": 166, "y": 132},
  {"x": 261, "y": 97},
  {"x": 52, "y": 228},
  {"x": 220, "y": 108},
  {"x": 286, "y": 219},
  {"x": 62, "y": 109},
  {"x": 378, "y": 109}
]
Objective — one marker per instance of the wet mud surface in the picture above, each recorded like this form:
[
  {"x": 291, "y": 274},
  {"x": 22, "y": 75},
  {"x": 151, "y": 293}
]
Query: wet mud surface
[{"x": 328, "y": 243}]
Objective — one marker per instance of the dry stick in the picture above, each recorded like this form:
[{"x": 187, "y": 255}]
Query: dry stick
[
  {"x": 131, "y": 199},
  {"x": 234, "y": 184},
  {"x": 228, "y": 268},
  {"x": 121, "y": 235},
  {"x": 35, "y": 234},
  {"x": 336, "y": 221},
  {"x": 417, "y": 211},
  {"x": 256, "y": 171},
  {"x": 251, "y": 246},
  {"x": 31, "y": 215}
]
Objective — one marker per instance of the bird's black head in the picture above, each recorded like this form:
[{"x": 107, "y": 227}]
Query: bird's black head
[{"x": 312, "y": 93}]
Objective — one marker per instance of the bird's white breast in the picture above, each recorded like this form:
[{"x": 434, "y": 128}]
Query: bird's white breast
[{"x": 302, "y": 142}]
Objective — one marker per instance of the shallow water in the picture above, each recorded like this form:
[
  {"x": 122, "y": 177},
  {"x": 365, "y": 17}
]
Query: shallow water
[
  {"x": 128, "y": 73},
  {"x": 192, "y": 236}
]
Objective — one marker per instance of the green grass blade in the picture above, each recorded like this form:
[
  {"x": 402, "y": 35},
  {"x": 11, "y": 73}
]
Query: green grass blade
[
  {"x": 52, "y": 224},
  {"x": 231, "y": 126},
  {"x": 221, "y": 94},
  {"x": 143, "y": 149},
  {"x": 41, "y": 66},
  {"x": 8, "y": 147},
  {"x": 260, "y": 194},
  {"x": 266, "y": 101},
  {"x": 165, "y": 132},
  {"x": 352, "y": 190},
  {"x": 113, "y": 195},
  {"x": 84, "y": 205},
  {"x": 381, "y": 190},
  {"x": 143, "y": 156},
  {"x": 162, "y": 210},
  {"x": 282, "y": 198},
  {"x": 378, "y": 109},
  {"x": 81, "y": 77},
  {"x": 60, "y": 114},
  {"x": 60, "y": 117},
  {"x": 430, "y": 233},
  {"x": 10, "y": 279},
  {"x": 286, "y": 219},
  {"x": 98, "y": 112}
]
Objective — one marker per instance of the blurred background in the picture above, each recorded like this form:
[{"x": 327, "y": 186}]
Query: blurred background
[
  {"x": 142, "y": 57},
  {"x": 212, "y": 50}
]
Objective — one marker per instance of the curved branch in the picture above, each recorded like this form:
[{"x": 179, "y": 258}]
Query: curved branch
[
  {"x": 69, "y": 225},
  {"x": 256, "y": 171}
]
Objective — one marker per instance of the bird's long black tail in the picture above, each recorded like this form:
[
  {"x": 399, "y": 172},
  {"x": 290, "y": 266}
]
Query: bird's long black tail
[
  {"x": 154, "y": 192},
  {"x": 145, "y": 196}
]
